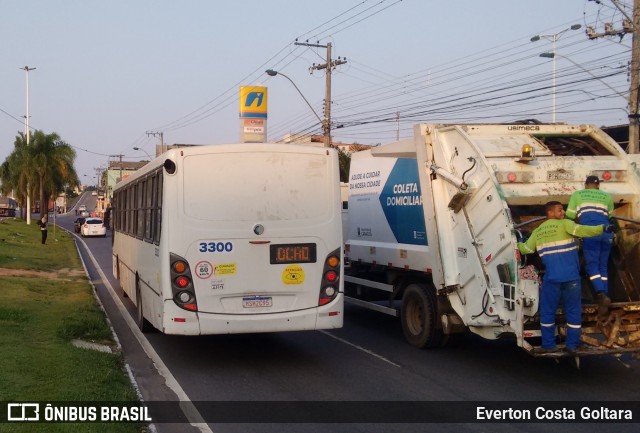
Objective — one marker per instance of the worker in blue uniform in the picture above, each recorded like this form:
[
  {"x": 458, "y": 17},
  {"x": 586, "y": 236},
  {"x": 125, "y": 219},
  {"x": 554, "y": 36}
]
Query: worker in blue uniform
[
  {"x": 591, "y": 206},
  {"x": 554, "y": 240}
]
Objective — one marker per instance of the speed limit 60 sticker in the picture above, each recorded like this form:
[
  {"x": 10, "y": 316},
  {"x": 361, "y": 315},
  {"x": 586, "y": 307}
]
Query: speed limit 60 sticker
[{"x": 204, "y": 270}]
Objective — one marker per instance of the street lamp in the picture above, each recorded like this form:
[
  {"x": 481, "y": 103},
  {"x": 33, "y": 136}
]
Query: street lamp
[
  {"x": 91, "y": 179},
  {"x": 138, "y": 148},
  {"x": 273, "y": 73},
  {"x": 27, "y": 133},
  {"x": 554, "y": 55},
  {"x": 554, "y": 38}
]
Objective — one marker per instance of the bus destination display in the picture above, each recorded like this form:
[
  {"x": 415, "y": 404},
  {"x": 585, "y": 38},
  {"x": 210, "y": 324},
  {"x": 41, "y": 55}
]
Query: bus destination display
[{"x": 282, "y": 254}]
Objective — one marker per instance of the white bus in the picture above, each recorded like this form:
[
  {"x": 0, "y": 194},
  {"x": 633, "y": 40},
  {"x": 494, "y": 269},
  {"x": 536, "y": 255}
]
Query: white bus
[{"x": 237, "y": 238}]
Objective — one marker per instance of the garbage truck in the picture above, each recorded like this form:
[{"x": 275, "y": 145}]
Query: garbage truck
[{"x": 432, "y": 226}]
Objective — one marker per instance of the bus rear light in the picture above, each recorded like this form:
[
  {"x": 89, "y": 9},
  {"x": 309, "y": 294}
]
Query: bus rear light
[
  {"x": 330, "y": 276},
  {"x": 184, "y": 297},
  {"x": 182, "y": 283},
  {"x": 179, "y": 266},
  {"x": 333, "y": 261}
]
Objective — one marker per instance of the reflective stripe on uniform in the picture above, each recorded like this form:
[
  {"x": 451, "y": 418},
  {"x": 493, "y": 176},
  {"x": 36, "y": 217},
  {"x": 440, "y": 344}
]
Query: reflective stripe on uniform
[
  {"x": 556, "y": 247},
  {"x": 599, "y": 208}
]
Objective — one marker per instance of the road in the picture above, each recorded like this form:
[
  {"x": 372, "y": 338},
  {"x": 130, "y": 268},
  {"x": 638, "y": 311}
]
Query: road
[{"x": 366, "y": 361}]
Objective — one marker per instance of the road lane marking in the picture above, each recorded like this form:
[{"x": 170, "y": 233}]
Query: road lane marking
[
  {"x": 367, "y": 351},
  {"x": 188, "y": 408}
]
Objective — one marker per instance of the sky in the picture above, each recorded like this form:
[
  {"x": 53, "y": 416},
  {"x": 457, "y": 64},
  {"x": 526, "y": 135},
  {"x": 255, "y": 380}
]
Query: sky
[{"x": 110, "y": 73}]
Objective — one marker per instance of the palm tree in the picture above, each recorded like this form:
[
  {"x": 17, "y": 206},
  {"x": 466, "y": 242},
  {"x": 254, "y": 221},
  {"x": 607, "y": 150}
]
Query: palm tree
[
  {"x": 53, "y": 164},
  {"x": 17, "y": 172}
]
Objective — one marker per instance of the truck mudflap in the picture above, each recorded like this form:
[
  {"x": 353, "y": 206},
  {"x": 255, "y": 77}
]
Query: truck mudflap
[{"x": 605, "y": 331}]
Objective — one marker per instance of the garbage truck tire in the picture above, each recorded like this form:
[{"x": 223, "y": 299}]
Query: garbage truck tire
[{"x": 419, "y": 317}]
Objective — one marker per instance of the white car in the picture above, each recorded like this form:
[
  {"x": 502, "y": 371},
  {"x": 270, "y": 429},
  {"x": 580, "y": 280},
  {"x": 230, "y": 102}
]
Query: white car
[{"x": 93, "y": 227}]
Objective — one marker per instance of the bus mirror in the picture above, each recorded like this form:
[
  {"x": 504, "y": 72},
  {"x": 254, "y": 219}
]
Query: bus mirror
[{"x": 169, "y": 166}]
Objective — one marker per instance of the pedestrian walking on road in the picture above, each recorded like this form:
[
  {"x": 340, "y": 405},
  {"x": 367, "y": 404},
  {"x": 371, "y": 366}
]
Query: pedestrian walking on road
[{"x": 591, "y": 206}]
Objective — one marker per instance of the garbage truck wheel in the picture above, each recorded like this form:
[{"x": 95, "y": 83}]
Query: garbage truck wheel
[{"x": 420, "y": 317}]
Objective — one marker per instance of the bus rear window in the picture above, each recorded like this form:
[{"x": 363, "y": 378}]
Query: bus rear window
[{"x": 262, "y": 186}]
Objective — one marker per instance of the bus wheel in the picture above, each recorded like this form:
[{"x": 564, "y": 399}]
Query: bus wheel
[
  {"x": 420, "y": 317},
  {"x": 143, "y": 324},
  {"x": 124, "y": 292}
]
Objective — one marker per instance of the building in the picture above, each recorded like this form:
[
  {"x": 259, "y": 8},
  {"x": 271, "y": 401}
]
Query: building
[
  {"x": 318, "y": 141},
  {"x": 116, "y": 171}
]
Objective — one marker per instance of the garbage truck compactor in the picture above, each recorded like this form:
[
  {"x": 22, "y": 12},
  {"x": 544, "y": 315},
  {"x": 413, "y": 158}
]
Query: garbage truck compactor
[{"x": 433, "y": 224}]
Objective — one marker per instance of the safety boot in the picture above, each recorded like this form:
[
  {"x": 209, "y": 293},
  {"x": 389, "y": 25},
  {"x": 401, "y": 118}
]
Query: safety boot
[{"x": 603, "y": 299}]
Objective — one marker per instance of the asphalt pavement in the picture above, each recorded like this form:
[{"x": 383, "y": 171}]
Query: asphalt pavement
[{"x": 364, "y": 369}]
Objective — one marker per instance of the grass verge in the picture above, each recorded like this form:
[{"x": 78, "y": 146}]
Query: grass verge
[{"x": 45, "y": 302}]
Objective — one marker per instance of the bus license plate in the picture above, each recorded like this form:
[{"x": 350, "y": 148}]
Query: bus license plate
[{"x": 257, "y": 302}]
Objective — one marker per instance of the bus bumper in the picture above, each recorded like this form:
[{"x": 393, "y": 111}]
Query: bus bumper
[{"x": 328, "y": 316}]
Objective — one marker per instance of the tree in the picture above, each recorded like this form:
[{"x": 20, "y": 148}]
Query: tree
[
  {"x": 344, "y": 159},
  {"x": 17, "y": 172},
  {"x": 344, "y": 162},
  {"x": 53, "y": 164}
]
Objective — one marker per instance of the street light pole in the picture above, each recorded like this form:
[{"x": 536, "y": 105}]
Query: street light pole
[
  {"x": 28, "y": 134},
  {"x": 552, "y": 55},
  {"x": 273, "y": 73},
  {"x": 554, "y": 38},
  {"x": 138, "y": 148}
]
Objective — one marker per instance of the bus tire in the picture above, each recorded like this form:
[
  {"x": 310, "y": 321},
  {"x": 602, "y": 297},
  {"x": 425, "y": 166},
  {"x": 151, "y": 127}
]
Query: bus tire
[
  {"x": 419, "y": 316},
  {"x": 143, "y": 324},
  {"x": 124, "y": 292}
]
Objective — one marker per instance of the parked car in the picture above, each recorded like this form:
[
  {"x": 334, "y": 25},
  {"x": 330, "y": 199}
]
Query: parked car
[
  {"x": 93, "y": 227},
  {"x": 77, "y": 224}
]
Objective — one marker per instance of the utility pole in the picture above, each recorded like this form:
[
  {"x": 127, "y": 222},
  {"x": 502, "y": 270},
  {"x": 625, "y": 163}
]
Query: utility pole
[
  {"x": 629, "y": 25},
  {"x": 328, "y": 67},
  {"x": 634, "y": 133},
  {"x": 161, "y": 135}
]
